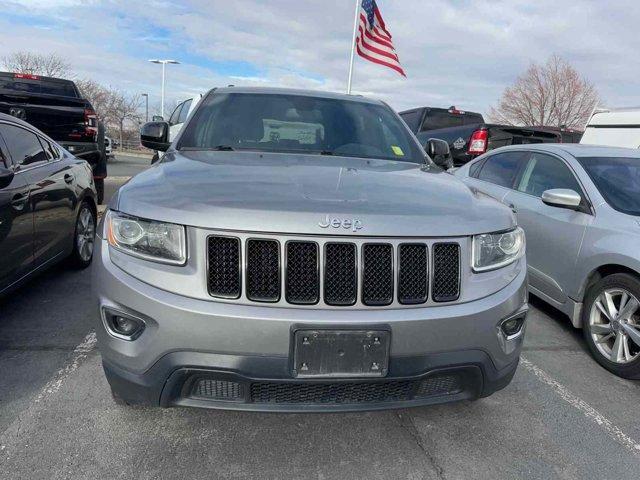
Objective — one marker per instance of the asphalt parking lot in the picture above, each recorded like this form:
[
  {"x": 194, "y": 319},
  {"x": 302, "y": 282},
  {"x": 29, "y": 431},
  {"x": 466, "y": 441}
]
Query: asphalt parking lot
[{"x": 563, "y": 416}]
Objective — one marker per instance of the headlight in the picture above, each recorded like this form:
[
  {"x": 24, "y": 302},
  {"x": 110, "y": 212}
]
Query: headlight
[
  {"x": 495, "y": 250},
  {"x": 155, "y": 241}
]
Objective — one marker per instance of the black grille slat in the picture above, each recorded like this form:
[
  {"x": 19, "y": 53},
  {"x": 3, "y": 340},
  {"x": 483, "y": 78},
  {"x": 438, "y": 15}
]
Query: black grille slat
[
  {"x": 446, "y": 272},
  {"x": 224, "y": 267},
  {"x": 340, "y": 274},
  {"x": 413, "y": 276},
  {"x": 377, "y": 274},
  {"x": 302, "y": 283},
  {"x": 263, "y": 270}
]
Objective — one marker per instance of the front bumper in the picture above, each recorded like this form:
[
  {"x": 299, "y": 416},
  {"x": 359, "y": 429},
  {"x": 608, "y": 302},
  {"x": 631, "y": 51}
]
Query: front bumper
[{"x": 208, "y": 354}]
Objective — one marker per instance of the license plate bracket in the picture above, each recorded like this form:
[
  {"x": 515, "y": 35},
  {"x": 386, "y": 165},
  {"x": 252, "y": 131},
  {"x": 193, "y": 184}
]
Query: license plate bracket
[{"x": 341, "y": 353}]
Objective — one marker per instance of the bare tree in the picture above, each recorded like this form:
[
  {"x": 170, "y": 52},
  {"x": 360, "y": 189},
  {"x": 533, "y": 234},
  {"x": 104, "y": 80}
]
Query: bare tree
[
  {"x": 124, "y": 108},
  {"x": 49, "y": 65},
  {"x": 99, "y": 96},
  {"x": 553, "y": 94}
]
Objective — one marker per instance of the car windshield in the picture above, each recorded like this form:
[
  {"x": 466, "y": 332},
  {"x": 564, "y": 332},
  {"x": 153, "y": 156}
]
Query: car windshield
[
  {"x": 617, "y": 179},
  {"x": 296, "y": 123}
]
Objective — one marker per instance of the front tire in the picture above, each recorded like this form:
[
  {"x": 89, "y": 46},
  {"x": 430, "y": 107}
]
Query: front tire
[
  {"x": 611, "y": 324},
  {"x": 84, "y": 237}
]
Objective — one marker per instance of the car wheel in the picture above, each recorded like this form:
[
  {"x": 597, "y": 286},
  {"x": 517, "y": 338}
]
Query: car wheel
[
  {"x": 84, "y": 237},
  {"x": 611, "y": 324},
  {"x": 100, "y": 189}
]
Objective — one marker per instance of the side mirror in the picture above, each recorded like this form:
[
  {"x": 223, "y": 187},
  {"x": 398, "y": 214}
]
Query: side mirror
[
  {"x": 6, "y": 176},
  {"x": 157, "y": 118},
  {"x": 562, "y": 198},
  {"x": 155, "y": 135},
  {"x": 439, "y": 152}
]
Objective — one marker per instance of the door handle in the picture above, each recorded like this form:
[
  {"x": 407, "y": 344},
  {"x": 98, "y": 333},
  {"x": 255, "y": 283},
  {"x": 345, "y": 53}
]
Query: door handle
[
  {"x": 19, "y": 201},
  {"x": 68, "y": 178}
]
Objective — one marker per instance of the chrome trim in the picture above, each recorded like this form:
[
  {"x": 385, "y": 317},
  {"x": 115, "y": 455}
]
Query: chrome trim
[{"x": 107, "y": 327}]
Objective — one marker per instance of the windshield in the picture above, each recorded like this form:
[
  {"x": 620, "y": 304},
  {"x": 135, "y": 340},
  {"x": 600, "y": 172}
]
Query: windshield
[
  {"x": 617, "y": 179},
  {"x": 295, "y": 123}
]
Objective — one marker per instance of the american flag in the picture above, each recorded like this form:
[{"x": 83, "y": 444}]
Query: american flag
[{"x": 374, "y": 42}]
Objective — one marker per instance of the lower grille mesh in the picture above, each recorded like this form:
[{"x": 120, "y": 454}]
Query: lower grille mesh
[
  {"x": 352, "y": 392},
  {"x": 217, "y": 389},
  {"x": 263, "y": 270},
  {"x": 446, "y": 272}
]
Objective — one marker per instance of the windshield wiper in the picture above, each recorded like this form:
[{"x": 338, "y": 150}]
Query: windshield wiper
[
  {"x": 325, "y": 152},
  {"x": 223, "y": 148}
]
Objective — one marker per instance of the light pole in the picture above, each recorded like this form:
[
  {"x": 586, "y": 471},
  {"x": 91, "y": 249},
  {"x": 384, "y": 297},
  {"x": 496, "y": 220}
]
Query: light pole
[
  {"x": 146, "y": 106},
  {"x": 163, "y": 63}
]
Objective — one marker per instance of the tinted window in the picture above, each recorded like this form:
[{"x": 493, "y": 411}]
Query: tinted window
[
  {"x": 474, "y": 169},
  {"x": 24, "y": 147},
  {"x": 184, "y": 113},
  {"x": 502, "y": 168},
  {"x": 544, "y": 172},
  {"x": 52, "y": 151},
  {"x": 441, "y": 119},
  {"x": 617, "y": 179},
  {"x": 173, "y": 119},
  {"x": 412, "y": 119},
  {"x": 297, "y": 123},
  {"x": 50, "y": 87}
]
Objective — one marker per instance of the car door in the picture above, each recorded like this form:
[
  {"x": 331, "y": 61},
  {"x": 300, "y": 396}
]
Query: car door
[
  {"x": 16, "y": 226},
  {"x": 496, "y": 174},
  {"x": 52, "y": 197},
  {"x": 553, "y": 234}
]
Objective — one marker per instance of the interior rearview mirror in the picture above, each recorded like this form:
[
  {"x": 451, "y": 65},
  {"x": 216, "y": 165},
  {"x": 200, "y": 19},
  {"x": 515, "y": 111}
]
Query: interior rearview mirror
[
  {"x": 155, "y": 135},
  {"x": 6, "y": 176},
  {"x": 439, "y": 152},
  {"x": 562, "y": 198}
]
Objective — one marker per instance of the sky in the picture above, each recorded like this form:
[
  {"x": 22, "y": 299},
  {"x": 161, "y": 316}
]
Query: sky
[{"x": 455, "y": 52}]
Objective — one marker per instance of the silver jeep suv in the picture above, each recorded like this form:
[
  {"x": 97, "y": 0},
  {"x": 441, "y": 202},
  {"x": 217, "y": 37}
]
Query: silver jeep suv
[{"x": 299, "y": 251}]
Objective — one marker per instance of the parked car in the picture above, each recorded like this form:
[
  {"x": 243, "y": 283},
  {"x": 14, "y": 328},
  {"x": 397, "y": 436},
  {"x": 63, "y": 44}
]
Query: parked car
[
  {"x": 47, "y": 204},
  {"x": 177, "y": 119},
  {"x": 56, "y": 107},
  {"x": 613, "y": 127},
  {"x": 299, "y": 251},
  {"x": 579, "y": 207},
  {"x": 108, "y": 147},
  {"x": 467, "y": 133}
]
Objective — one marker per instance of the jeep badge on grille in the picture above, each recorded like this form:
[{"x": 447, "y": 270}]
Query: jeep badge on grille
[{"x": 348, "y": 223}]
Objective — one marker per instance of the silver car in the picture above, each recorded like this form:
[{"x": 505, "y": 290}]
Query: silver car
[
  {"x": 299, "y": 251},
  {"x": 579, "y": 206}
]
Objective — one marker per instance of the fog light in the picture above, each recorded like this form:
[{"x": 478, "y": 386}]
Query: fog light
[
  {"x": 122, "y": 325},
  {"x": 512, "y": 326}
]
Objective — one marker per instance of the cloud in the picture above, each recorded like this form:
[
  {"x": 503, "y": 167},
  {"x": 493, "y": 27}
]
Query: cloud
[{"x": 462, "y": 52}]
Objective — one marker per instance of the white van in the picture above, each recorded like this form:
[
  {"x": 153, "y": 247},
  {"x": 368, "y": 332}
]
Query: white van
[{"x": 618, "y": 127}]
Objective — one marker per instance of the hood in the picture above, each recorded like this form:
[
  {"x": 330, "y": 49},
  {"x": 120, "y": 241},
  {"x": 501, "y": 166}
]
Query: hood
[{"x": 309, "y": 194}]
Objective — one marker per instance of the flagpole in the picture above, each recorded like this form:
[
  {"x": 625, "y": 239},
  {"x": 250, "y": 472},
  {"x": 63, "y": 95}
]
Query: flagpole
[{"x": 353, "y": 45}]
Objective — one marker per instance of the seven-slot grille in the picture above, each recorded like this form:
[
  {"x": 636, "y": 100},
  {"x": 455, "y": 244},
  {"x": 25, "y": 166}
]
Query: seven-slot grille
[{"x": 383, "y": 270}]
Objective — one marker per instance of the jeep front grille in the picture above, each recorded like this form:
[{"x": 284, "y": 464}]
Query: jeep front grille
[{"x": 336, "y": 273}]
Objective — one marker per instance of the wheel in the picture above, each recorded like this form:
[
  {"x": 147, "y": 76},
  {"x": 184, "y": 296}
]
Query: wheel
[
  {"x": 611, "y": 324},
  {"x": 118, "y": 400},
  {"x": 100, "y": 189},
  {"x": 84, "y": 237}
]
